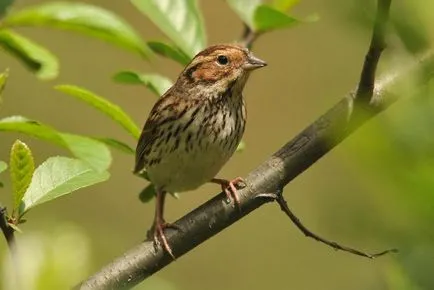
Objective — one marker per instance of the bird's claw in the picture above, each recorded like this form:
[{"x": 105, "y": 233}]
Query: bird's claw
[
  {"x": 229, "y": 187},
  {"x": 160, "y": 238}
]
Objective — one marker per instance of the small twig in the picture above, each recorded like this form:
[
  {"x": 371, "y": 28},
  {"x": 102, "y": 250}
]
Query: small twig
[
  {"x": 7, "y": 230},
  {"x": 278, "y": 197},
  {"x": 248, "y": 37},
  {"x": 365, "y": 88}
]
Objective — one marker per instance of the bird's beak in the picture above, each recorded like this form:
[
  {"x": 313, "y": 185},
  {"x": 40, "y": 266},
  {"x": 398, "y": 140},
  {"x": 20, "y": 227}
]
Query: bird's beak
[{"x": 253, "y": 62}]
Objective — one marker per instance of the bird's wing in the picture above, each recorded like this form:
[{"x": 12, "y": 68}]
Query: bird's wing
[{"x": 165, "y": 111}]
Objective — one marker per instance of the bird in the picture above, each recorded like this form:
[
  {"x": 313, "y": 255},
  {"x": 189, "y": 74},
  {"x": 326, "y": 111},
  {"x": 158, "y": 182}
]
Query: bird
[{"x": 195, "y": 127}]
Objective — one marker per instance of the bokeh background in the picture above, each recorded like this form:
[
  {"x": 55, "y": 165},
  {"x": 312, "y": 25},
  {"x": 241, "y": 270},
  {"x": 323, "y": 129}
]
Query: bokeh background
[{"x": 373, "y": 192}]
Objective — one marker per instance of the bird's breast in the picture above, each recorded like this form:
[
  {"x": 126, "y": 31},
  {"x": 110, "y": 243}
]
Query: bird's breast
[{"x": 198, "y": 146}]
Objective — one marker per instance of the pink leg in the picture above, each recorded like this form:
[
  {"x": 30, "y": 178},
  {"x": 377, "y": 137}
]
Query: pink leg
[
  {"x": 229, "y": 187},
  {"x": 160, "y": 224}
]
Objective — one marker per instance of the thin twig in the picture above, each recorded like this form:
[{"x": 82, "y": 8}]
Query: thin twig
[
  {"x": 7, "y": 230},
  {"x": 278, "y": 197},
  {"x": 378, "y": 44},
  {"x": 248, "y": 37}
]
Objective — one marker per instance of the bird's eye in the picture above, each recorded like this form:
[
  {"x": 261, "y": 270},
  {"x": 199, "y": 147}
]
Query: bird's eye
[{"x": 221, "y": 59}]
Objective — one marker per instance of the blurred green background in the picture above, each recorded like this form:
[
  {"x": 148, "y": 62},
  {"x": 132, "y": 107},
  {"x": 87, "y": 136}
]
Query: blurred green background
[{"x": 373, "y": 192}]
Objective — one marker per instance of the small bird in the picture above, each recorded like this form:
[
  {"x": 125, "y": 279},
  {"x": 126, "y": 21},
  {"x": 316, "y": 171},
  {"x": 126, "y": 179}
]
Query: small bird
[{"x": 195, "y": 127}]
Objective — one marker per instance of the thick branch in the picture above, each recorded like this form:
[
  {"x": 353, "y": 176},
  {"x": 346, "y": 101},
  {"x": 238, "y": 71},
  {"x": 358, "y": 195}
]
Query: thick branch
[{"x": 291, "y": 160}]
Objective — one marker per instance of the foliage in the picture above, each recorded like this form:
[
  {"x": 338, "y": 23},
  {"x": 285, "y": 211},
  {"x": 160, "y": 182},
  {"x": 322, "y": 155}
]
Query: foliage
[
  {"x": 80, "y": 17},
  {"x": 104, "y": 106},
  {"x": 34, "y": 56},
  {"x": 56, "y": 177},
  {"x": 154, "y": 82},
  {"x": 21, "y": 166},
  {"x": 262, "y": 17},
  {"x": 180, "y": 20}
]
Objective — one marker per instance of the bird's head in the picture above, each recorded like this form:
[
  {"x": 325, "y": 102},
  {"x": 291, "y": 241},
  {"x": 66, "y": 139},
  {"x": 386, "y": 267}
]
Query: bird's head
[{"x": 220, "y": 66}]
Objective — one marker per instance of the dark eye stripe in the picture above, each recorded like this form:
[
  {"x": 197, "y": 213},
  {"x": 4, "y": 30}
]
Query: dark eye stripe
[{"x": 189, "y": 72}]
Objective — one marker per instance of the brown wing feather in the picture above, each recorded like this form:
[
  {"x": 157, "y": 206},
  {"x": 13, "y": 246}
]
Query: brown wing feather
[{"x": 165, "y": 110}]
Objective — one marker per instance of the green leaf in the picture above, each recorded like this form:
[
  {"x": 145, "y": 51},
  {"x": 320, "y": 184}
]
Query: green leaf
[
  {"x": 180, "y": 20},
  {"x": 267, "y": 18},
  {"x": 245, "y": 9},
  {"x": 93, "y": 152},
  {"x": 284, "y": 5},
  {"x": 4, "y": 5},
  {"x": 3, "y": 78},
  {"x": 104, "y": 106},
  {"x": 3, "y": 166},
  {"x": 21, "y": 169},
  {"x": 169, "y": 51},
  {"x": 37, "y": 58},
  {"x": 89, "y": 150},
  {"x": 116, "y": 144},
  {"x": 30, "y": 127},
  {"x": 154, "y": 82},
  {"x": 241, "y": 146},
  {"x": 59, "y": 176},
  {"x": 84, "y": 18},
  {"x": 147, "y": 193}
]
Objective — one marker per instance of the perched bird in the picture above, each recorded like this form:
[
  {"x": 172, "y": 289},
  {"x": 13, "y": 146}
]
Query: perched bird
[{"x": 196, "y": 126}]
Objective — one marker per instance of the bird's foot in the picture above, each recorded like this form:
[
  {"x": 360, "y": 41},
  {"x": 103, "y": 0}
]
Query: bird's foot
[
  {"x": 230, "y": 188},
  {"x": 159, "y": 236}
]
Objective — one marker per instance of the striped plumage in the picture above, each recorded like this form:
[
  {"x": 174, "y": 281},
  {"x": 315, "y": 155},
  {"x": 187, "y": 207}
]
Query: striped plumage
[
  {"x": 196, "y": 126},
  {"x": 185, "y": 144}
]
